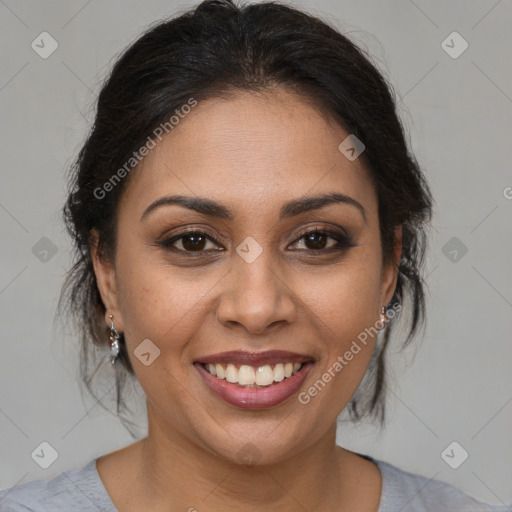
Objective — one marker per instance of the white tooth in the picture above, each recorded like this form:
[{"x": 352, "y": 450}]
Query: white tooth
[
  {"x": 246, "y": 375},
  {"x": 279, "y": 372},
  {"x": 264, "y": 375},
  {"x": 219, "y": 370},
  {"x": 231, "y": 373}
]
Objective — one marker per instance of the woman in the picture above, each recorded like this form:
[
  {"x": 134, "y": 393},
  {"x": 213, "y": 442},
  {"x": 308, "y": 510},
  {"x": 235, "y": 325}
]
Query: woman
[{"x": 249, "y": 224}]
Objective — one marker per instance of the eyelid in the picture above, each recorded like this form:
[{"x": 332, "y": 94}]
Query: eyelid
[
  {"x": 168, "y": 241},
  {"x": 343, "y": 239},
  {"x": 322, "y": 228}
]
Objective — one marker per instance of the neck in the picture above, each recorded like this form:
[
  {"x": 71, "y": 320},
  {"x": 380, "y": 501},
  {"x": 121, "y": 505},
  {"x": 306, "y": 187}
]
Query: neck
[{"x": 172, "y": 469}]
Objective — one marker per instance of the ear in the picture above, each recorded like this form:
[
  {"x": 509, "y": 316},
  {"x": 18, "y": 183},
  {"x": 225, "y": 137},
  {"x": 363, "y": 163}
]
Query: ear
[
  {"x": 106, "y": 281},
  {"x": 390, "y": 271}
]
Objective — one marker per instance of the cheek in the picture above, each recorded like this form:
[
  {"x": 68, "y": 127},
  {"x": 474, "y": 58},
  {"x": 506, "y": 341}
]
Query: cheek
[
  {"x": 345, "y": 303},
  {"x": 346, "y": 299},
  {"x": 158, "y": 306},
  {"x": 158, "y": 303},
  {"x": 346, "y": 312}
]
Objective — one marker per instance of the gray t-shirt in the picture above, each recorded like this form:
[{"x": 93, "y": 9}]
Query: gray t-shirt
[{"x": 81, "y": 490}]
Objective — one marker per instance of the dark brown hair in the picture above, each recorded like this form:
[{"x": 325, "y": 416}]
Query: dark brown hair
[{"x": 213, "y": 49}]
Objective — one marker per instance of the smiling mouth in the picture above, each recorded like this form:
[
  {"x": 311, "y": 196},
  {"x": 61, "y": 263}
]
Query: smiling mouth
[
  {"x": 254, "y": 380},
  {"x": 247, "y": 376}
]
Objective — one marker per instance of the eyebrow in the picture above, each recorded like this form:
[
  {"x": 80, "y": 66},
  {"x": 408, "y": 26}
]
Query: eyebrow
[{"x": 290, "y": 209}]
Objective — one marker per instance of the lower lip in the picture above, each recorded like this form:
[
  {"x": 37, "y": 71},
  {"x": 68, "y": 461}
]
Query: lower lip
[{"x": 255, "y": 398}]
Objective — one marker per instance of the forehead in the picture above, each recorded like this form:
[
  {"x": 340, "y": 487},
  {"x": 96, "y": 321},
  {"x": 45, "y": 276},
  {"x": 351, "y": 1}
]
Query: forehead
[{"x": 250, "y": 151}]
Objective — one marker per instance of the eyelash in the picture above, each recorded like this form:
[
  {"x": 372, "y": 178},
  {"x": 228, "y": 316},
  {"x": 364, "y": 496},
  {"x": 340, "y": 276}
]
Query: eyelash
[{"x": 344, "y": 241}]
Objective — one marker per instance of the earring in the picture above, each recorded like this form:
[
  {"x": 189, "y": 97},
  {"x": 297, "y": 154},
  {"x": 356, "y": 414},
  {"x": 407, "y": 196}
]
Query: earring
[
  {"x": 113, "y": 342},
  {"x": 383, "y": 317}
]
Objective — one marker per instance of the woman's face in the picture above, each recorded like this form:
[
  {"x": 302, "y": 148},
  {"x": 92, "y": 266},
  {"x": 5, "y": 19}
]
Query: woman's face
[{"x": 251, "y": 283}]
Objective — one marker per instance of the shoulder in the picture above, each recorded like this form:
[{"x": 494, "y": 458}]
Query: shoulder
[
  {"x": 410, "y": 492},
  {"x": 76, "y": 489}
]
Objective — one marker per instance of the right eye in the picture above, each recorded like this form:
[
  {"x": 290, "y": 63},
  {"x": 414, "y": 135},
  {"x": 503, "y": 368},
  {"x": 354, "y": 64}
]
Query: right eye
[{"x": 191, "y": 241}]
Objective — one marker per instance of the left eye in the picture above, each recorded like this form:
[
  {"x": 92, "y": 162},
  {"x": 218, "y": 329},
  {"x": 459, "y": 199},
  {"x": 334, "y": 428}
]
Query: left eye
[{"x": 317, "y": 238}]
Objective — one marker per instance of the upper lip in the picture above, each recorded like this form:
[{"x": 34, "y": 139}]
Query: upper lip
[{"x": 255, "y": 358}]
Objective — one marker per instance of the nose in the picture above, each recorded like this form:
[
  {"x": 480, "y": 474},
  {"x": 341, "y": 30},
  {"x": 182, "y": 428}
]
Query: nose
[{"x": 256, "y": 295}]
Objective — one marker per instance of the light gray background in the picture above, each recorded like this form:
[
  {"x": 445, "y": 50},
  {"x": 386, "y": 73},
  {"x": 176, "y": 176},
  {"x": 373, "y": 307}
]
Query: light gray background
[{"x": 457, "y": 111}]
